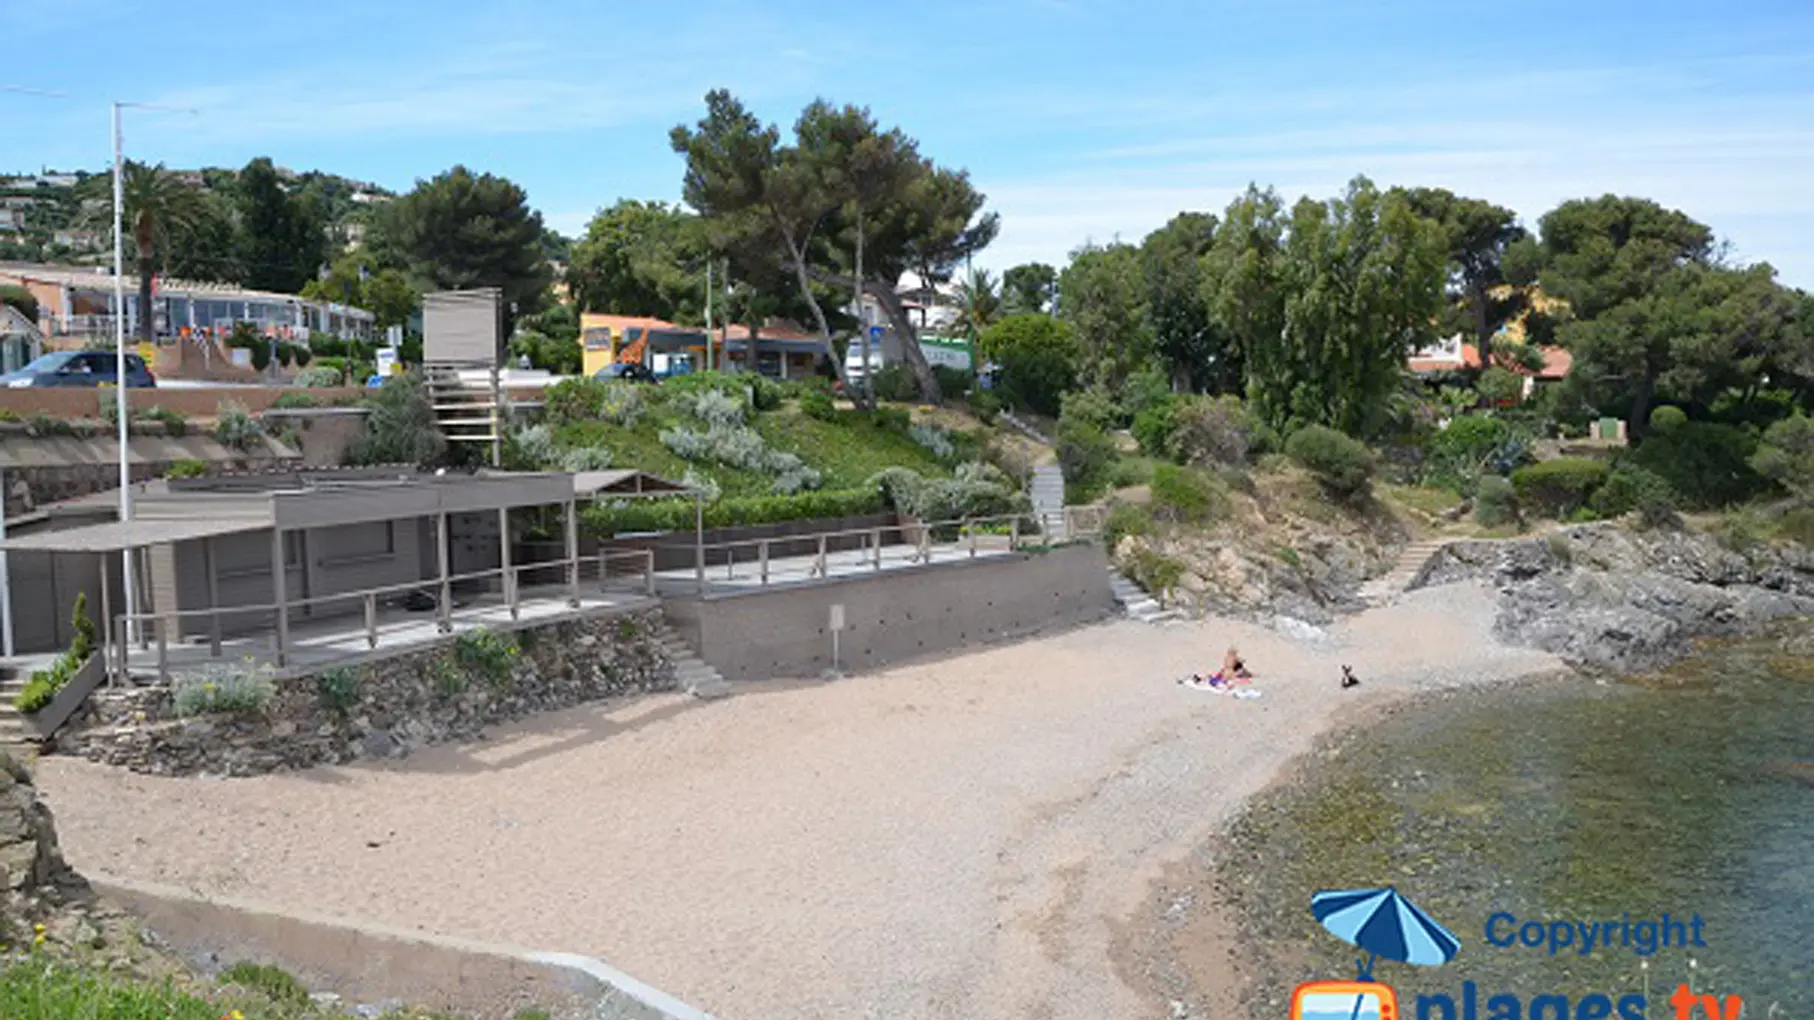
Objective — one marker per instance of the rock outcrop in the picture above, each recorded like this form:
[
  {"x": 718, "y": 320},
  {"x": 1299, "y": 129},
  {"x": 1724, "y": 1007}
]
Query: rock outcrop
[{"x": 1608, "y": 598}]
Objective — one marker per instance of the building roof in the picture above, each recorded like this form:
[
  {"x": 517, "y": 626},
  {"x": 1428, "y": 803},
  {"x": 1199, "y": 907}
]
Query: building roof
[
  {"x": 88, "y": 277},
  {"x": 1556, "y": 362},
  {"x": 592, "y": 484},
  {"x": 167, "y": 511}
]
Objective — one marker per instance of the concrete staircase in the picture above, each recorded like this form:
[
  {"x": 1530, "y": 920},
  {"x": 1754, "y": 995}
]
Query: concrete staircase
[
  {"x": 1410, "y": 563},
  {"x": 697, "y": 677},
  {"x": 1136, "y": 602},
  {"x": 15, "y": 737},
  {"x": 1047, "y": 493}
]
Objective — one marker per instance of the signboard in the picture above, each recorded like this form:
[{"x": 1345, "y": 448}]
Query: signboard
[
  {"x": 387, "y": 361},
  {"x": 837, "y": 616},
  {"x": 240, "y": 356},
  {"x": 393, "y": 335}
]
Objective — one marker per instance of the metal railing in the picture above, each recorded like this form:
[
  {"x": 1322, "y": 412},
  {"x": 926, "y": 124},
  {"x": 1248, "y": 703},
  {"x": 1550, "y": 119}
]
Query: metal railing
[
  {"x": 624, "y": 571},
  {"x": 813, "y": 555}
]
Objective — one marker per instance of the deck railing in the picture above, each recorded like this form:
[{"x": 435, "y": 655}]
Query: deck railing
[{"x": 627, "y": 571}]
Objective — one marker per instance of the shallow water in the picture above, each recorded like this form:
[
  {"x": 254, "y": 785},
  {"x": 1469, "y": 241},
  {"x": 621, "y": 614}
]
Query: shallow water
[{"x": 1690, "y": 793}]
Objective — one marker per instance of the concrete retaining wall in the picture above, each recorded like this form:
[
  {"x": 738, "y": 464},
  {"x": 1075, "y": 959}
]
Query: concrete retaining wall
[
  {"x": 372, "y": 963},
  {"x": 73, "y": 403},
  {"x": 895, "y": 615}
]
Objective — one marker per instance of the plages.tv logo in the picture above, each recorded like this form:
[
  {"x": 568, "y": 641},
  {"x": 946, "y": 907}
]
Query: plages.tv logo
[{"x": 1385, "y": 925}]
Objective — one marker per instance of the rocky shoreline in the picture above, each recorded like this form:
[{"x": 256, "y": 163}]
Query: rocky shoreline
[{"x": 1606, "y": 599}]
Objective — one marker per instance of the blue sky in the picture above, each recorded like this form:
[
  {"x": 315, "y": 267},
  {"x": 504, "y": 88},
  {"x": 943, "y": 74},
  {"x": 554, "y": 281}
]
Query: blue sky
[{"x": 1082, "y": 120}]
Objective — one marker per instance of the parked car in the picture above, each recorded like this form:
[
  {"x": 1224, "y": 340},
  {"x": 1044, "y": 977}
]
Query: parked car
[
  {"x": 630, "y": 371},
  {"x": 80, "y": 368}
]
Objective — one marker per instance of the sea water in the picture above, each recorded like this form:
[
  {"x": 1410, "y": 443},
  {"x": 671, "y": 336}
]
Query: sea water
[{"x": 1684, "y": 796}]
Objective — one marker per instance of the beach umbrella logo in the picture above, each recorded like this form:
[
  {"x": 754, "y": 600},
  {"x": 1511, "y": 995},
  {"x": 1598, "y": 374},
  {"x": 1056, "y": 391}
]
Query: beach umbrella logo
[{"x": 1385, "y": 925}]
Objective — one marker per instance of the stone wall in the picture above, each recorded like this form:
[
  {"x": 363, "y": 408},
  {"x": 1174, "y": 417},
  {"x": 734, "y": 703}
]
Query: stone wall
[{"x": 397, "y": 704}]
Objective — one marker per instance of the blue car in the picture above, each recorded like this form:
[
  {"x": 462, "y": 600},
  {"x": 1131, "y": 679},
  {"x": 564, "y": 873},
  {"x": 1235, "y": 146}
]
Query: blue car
[{"x": 80, "y": 368}]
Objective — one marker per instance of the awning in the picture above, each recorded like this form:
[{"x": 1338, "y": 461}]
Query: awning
[
  {"x": 624, "y": 482},
  {"x": 114, "y": 536}
]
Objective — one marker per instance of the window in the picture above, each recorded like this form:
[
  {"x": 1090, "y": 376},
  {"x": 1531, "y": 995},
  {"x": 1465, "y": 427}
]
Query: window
[{"x": 351, "y": 543}]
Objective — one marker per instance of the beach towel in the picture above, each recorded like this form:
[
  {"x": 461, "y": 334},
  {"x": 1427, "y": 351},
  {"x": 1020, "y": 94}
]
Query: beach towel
[{"x": 1213, "y": 685}]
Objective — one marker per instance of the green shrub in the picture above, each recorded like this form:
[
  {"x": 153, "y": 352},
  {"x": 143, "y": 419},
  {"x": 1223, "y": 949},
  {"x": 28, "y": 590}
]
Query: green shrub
[
  {"x": 273, "y": 982},
  {"x": 1124, "y": 520},
  {"x": 817, "y": 403},
  {"x": 1665, "y": 419},
  {"x": 42, "y": 686},
  {"x": 1086, "y": 455},
  {"x": 37, "y": 988},
  {"x": 1210, "y": 430},
  {"x": 489, "y": 653},
  {"x": 243, "y": 689},
  {"x": 1473, "y": 445},
  {"x": 891, "y": 419},
  {"x": 1186, "y": 495},
  {"x": 1130, "y": 471},
  {"x": 1556, "y": 488},
  {"x": 338, "y": 690},
  {"x": 1786, "y": 456},
  {"x": 234, "y": 426},
  {"x": 623, "y": 403},
  {"x": 896, "y": 383},
  {"x": 1500, "y": 385},
  {"x": 1741, "y": 529},
  {"x": 677, "y": 514},
  {"x": 1495, "y": 502},
  {"x": 1630, "y": 487},
  {"x": 1797, "y": 526},
  {"x": 1158, "y": 573},
  {"x": 975, "y": 490},
  {"x": 1707, "y": 464},
  {"x": 401, "y": 428},
  {"x": 985, "y": 404},
  {"x": 935, "y": 439},
  {"x": 293, "y": 399},
  {"x": 175, "y": 425},
  {"x": 584, "y": 458},
  {"x": 572, "y": 400},
  {"x": 765, "y": 393},
  {"x": 1089, "y": 407},
  {"x": 1339, "y": 462},
  {"x": 952, "y": 382},
  {"x": 322, "y": 376},
  {"x": 1153, "y": 427}
]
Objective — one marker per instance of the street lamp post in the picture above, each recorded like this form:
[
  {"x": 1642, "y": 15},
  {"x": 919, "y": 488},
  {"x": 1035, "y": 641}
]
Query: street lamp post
[{"x": 119, "y": 375}]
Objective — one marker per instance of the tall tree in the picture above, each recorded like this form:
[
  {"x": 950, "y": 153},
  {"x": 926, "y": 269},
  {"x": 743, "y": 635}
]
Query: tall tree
[
  {"x": 282, "y": 236},
  {"x": 1362, "y": 280},
  {"x": 1244, "y": 277},
  {"x": 1102, "y": 296},
  {"x": 352, "y": 279},
  {"x": 1479, "y": 236},
  {"x": 462, "y": 230},
  {"x": 1197, "y": 351},
  {"x": 204, "y": 246},
  {"x": 641, "y": 258},
  {"x": 799, "y": 204},
  {"x": 1029, "y": 287},
  {"x": 1651, "y": 308},
  {"x": 156, "y": 207}
]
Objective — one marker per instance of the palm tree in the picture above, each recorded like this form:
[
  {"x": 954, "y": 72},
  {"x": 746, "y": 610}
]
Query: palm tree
[
  {"x": 158, "y": 207},
  {"x": 978, "y": 301}
]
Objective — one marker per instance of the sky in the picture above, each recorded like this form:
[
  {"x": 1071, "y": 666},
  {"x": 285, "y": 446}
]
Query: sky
[{"x": 1081, "y": 120}]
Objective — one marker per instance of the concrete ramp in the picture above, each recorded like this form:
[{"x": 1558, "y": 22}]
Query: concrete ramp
[{"x": 372, "y": 963}]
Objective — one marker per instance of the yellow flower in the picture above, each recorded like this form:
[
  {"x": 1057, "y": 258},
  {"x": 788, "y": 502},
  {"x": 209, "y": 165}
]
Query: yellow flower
[
  {"x": 37, "y": 940},
  {"x": 39, "y": 928},
  {"x": 237, "y": 1015}
]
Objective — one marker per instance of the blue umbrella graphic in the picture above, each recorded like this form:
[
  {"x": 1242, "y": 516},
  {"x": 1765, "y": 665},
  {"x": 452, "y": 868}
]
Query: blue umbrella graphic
[{"x": 1384, "y": 924}]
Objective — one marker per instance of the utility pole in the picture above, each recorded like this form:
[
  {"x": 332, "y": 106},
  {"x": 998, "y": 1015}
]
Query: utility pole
[{"x": 708, "y": 314}]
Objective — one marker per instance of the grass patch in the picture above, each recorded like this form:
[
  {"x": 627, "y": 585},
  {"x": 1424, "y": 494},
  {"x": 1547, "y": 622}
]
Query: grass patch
[
  {"x": 272, "y": 982},
  {"x": 1424, "y": 499},
  {"x": 33, "y": 990},
  {"x": 848, "y": 450}
]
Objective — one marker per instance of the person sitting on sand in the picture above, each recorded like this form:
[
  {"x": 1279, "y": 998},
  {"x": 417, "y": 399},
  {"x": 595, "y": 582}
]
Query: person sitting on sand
[{"x": 1233, "y": 669}]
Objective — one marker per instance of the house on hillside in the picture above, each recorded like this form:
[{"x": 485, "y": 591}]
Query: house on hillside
[
  {"x": 1454, "y": 355},
  {"x": 20, "y": 339}
]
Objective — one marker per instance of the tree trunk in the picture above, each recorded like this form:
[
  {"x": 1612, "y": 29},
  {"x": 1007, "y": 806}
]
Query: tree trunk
[
  {"x": 806, "y": 291},
  {"x": 1483, "y": 341},
  {"x": 910, "y": 341},
  {"x": 1638, "y": 424}
]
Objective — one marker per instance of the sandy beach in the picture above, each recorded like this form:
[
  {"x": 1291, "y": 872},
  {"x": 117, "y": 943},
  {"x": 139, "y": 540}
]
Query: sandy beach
[{"x": 956, "y": 838}]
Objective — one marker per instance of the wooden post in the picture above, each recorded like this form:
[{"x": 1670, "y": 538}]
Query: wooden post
[
  {"x": 572, "y": 556},
  {"x": 444, "y": 603},
  {"x": 371, "y": 620},
  {"x": 875, "y": 539},
  {"x": 762, "y": 555},
  {"x": 208, "y": 564},
  {"x": 820, "y": 566},
  {"x": 281, "y": 595},
  {"x": 1014, "y": 533},
  {"x": 971, "y": 528},
  {"x": 925, "y": 537},
  {"x": 648, "y": 571}
]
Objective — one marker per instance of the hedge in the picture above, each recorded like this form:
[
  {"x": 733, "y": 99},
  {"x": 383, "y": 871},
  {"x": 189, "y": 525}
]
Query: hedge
[
  {"x": 677, "y": 514},
  {"x": 1556, "y": 488},
  {"x": 1341, "y": 463}
]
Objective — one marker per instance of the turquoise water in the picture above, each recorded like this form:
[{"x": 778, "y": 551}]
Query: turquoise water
[{"x": 1688, "y": 794}]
